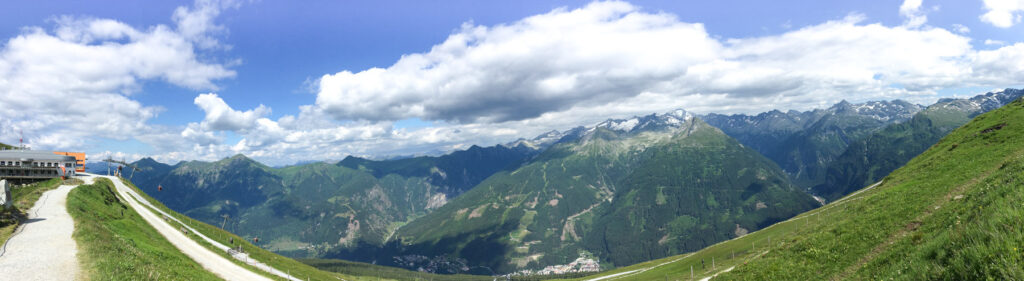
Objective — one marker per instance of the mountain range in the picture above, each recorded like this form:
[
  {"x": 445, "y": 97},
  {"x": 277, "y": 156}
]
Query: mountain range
[
  {"x": 666, "y": 183},
  {"x": 308, "y": 209},
  {"x": 670, "y": 183},
  {"x": 950, "y": 213},
  {"x": 804, "y": 143}
]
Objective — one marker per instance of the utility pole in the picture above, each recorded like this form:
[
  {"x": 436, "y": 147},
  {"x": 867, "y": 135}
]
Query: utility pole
[{"x": 225, "y": 216}]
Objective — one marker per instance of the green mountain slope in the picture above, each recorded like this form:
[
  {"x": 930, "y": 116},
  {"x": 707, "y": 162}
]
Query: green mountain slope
[
  {"x": 952, "y": 213},
  {"x": 871, "y": 158},
  {"x": 455, "y": 172},
  {"x": 803, "y": 144},
  {"x": 662, "y": 187},
  {"x": 308, "y": 209}
]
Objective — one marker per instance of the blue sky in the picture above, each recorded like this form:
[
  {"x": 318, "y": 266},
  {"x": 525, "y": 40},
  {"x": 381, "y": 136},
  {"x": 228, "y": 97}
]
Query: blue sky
[{"x": 290, "y": 81}]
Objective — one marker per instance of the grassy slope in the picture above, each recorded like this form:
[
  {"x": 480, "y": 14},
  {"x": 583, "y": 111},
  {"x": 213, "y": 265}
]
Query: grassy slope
[
  {"x": 291, "y": 266},
  {"x": 351, "y": 271},
  {"x": 951, "y": 213},
  {"x": 115, "y": 243},
  {"x": 24, "y": 198}
]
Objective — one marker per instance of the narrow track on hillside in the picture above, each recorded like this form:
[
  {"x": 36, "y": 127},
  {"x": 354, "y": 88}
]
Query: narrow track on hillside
[
  {"x": 913, "y": 224},
  {"x": 213, "y": 262}
]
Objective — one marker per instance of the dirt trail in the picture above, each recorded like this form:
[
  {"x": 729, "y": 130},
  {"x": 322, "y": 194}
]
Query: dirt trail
[
  {"x": 42, "y": 247},
  {"x": 912, "y": 225},
  {"x": 213, "y": 262}
]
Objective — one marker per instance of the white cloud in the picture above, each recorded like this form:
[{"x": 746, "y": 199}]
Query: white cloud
[
  {"x": 962, "y": 29},
  {"x": 846, "y": 58},
  {"x": 1001, "y": 66},
  {"x": 600, "y": 53},
  {"x": 911, "y": 11},
  {"x": 221, "y": 117},
  {"x": 991, "y": 42},
  {"x": 196, "y": 23},
  {"x": 492, "y": 84},
  {"x": 609, "y": 51},
  {"x": 74, "y": 83},
  {"x": 196, "y": 134},
  {"x": 1003, "y": 13}
]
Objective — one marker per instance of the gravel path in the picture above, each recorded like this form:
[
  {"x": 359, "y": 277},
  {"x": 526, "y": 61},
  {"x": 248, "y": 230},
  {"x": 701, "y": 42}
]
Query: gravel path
[{"x": 42, "y": 248}]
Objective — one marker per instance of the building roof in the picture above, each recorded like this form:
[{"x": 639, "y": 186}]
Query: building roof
[{"x": 36, "y": 155}]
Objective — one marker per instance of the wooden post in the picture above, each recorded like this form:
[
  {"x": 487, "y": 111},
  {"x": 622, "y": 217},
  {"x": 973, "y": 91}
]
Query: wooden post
[
  {"x": 712, "y": 263},
  {"x": 691, "y": 272}
]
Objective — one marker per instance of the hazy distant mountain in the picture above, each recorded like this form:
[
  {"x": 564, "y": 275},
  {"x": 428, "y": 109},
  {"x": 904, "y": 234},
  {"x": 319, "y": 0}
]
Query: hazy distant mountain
[
  {"x": 625, "y": 191},
  {"x": 869, "y": 159},
  {"x": 804, "y": 143}
]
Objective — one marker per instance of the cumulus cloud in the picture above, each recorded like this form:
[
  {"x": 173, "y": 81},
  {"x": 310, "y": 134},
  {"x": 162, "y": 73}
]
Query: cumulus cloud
[
  {"x": 197, "y": 22},
  {"x": 493, "y": 84},
  {"x": 221, "y": 117},
  {"x": 1003, "y": 13},
  {"x": 1003, "y": 65},
  {"x": 911, "y": 11},
  {"x": 74, "y": 82},
  {"x": 609, "y": 51},
  {"x": 600, "y": 53}
]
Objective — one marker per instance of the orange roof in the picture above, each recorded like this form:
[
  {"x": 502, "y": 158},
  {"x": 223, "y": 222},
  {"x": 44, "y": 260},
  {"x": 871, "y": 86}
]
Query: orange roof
[{"x": 79, "y": 159}]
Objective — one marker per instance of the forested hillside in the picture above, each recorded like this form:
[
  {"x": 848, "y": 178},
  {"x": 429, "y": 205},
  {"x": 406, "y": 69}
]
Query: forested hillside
[
  {"x": 873, "y": 157},
  {"x": 803, "y": 144},
  {"x": 306, "y": 210},
  {"x": 624, "y": 192}
]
